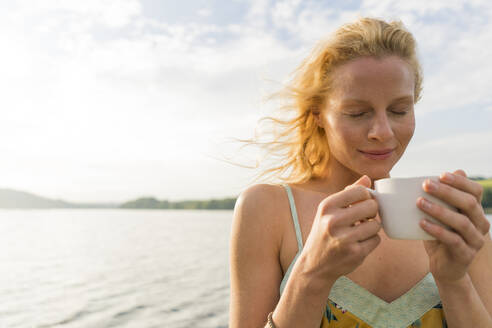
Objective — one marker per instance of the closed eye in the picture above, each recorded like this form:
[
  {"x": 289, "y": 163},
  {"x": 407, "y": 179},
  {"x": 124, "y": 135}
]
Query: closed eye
[
  {"x": 399, "y": 113},
  {"x": 357, "y": 114}
]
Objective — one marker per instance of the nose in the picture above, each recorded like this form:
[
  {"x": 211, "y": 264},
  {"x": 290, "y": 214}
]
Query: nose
[{"x": 380, "y": 128}]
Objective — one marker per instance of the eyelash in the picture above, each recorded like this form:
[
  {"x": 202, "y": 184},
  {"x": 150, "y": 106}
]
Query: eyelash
[
  {"x": 356, "y": 115},
  {"x": 399, "y": 113},
  {"x": 362, "y": 113}
]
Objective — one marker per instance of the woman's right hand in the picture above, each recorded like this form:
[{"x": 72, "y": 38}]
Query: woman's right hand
[{"x": 343, "y": 233}]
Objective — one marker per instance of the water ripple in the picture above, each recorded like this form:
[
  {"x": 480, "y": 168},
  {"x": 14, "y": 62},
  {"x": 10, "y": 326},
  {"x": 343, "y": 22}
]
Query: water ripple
[{"x": 104, "y": 268}]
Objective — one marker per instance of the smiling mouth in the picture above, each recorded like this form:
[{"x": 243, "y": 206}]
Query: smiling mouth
[{"x": 377, "y": 154}]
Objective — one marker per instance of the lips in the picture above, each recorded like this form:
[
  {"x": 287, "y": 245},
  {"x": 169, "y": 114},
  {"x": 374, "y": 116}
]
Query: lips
[{"x": 377, "y": 153}]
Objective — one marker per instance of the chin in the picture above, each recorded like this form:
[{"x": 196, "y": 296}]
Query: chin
[
  {"x": 377, "y": 174},
  {"x": 380, "y": 176}
]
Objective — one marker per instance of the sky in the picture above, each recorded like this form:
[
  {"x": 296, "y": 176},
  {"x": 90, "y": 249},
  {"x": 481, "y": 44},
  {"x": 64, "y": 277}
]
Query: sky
[{"x": 111, "y": 100}]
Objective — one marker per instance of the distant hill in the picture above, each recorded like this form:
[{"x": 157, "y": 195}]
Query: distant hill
[
  {"x": 10, "y": 198},
  {"x": 152, "y": 203}
]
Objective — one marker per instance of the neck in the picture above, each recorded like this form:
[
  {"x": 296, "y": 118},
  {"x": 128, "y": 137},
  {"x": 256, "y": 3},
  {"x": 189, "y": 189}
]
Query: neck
[{"x": 337, "y": 177}]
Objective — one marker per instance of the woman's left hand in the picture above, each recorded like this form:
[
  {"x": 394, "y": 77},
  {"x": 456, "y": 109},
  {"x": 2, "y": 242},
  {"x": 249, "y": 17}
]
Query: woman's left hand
[{"x": 452, "y": 252}]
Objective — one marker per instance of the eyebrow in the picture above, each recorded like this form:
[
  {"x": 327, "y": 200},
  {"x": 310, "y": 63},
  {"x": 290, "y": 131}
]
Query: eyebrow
[{"x": 360, "y": 101}]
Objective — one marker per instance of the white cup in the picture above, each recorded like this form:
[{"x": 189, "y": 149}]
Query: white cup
[{"x": 397, "y": 200}]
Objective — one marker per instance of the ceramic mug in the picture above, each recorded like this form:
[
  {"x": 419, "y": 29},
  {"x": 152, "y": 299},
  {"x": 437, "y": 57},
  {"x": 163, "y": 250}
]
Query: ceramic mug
[{"x": 397, "y": 200}]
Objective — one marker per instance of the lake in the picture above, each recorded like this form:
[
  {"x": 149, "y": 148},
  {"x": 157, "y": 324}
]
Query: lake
[{"x": 114, "y": 268}]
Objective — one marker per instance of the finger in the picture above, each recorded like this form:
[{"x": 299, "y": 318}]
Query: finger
[
  {"x": 364, "y": 181},
  {"x": 462, "y": 183},
  {"x": 460, "y": 172},
  {"x": 347, "y": 217},
  {"x": 464, "y": 201},
  {"x": 360, "y": 211},
  {"x": 453, "y": 242},
  {"x": 364, "y": 231},
  {"x": 347, "y": 197},
  {"x": 459, "y": 222},
  {"x": 368, "y": 245}
]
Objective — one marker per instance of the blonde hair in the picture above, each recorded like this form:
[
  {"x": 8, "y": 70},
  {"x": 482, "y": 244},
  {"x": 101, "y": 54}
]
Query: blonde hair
[{"x": 299, "y": 143}]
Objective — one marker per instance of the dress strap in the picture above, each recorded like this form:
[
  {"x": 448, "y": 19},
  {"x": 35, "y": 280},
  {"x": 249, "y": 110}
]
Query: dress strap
[{"x": 295, "y": 219}]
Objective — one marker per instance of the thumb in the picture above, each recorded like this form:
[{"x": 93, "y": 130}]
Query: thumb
[{"x": 364, "y": 181}]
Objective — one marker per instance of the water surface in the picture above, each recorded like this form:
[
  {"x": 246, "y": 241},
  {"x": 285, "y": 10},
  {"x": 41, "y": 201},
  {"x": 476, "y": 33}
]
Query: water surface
[{"x": 114, "y": 268}]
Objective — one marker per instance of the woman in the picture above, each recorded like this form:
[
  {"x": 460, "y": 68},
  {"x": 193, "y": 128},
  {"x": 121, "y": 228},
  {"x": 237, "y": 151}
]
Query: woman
[{"x": 311, "y": 252}]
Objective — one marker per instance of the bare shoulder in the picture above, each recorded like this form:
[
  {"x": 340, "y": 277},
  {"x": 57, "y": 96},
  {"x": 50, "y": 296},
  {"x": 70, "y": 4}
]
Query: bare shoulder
[
  {"x": 260, "y": 198},
  {"x": 260, "y": 193},
  {"x": 258, "y": 207},
  {"x": 254, "y": 255}
]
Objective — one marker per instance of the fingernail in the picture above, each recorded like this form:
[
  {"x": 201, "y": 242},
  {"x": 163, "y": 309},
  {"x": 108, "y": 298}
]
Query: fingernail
[
  {"x": 431, "y": 185},
  {"x": 446, "y": 176},
  {"x": 425, "y": 204}
]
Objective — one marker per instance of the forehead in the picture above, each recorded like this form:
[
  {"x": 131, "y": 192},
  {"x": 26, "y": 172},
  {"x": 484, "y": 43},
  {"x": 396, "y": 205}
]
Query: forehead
[{"x": 369, "y": 77}]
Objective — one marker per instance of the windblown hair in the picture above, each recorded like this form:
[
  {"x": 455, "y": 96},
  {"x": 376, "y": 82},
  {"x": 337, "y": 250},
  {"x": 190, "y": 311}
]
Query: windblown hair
[{"x": 299, "y": 144}]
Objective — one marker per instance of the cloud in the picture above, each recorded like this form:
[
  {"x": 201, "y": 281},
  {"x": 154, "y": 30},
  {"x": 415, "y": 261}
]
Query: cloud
[
  {"x": 467, "y": 151},
  {"x": 110, "y": 13},
  {"x": 93, "y": 85},
  {"x": 284, "y": 11},
  {"x": 155, "y": 94},
  {"x": 418, "y": 7},
  {"x": 204, "y": 12},
  {"x": 258, "y": 12},
  {"x": 466, "y": 142}
]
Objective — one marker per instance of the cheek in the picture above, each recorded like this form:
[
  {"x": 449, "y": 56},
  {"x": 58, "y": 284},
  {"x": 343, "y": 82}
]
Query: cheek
[
  {"x": 406, "y": 131},
  {"x": 341, "y": 135}
]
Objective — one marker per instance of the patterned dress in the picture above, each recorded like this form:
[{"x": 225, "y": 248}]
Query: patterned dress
[
  {"x": 357, "y": 307},
  {"x": 337, "y": 317}
]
